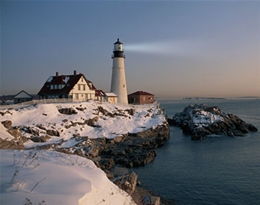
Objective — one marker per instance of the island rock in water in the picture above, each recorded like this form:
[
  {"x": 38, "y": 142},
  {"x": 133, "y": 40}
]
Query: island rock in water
[{"x": 201, "y": 120}]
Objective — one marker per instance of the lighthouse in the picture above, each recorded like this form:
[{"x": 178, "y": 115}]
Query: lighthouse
[{"x": 118, "y": 82}]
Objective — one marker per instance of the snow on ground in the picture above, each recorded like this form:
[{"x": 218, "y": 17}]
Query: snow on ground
[
  {"x": 48, "y": 117},
  {"x": 48, "y": 177},
  {"x": 203, "y": 118}
]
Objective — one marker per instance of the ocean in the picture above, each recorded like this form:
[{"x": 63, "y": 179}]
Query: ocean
[{"x": 219, "y": 170}]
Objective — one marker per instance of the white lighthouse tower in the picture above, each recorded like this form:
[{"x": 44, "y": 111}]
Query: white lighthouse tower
[{"x": 118, "y": 82}]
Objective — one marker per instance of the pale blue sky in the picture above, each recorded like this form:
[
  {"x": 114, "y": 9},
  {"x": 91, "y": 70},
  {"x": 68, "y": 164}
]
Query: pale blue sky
[{"x": 172, "y": 48}]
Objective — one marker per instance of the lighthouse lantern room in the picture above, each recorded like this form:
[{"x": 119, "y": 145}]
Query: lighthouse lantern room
[{"x": 118, "y": 81}]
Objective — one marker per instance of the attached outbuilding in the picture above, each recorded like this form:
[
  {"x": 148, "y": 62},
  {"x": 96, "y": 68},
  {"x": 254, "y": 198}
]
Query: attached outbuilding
[
  {"x": 100, "y": 95},
  {"x": 141, "y": 97},
  {"x": 111, "y": 97},
  {"x": 22, "y": 96}
]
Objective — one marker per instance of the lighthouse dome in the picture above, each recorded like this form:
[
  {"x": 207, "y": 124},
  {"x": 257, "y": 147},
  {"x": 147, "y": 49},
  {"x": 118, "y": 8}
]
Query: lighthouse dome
[
  {"x": 118, "y": 46},
  {"x": 118, "y": 42}
]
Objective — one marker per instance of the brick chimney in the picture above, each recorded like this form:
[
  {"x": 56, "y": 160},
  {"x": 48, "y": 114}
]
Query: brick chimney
[
  {"x": 57, "y": 73},
  {"x": 75, "y": 72}
]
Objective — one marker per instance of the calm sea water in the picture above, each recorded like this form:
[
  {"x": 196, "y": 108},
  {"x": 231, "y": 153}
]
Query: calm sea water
[{"x": 219, "y": 170}]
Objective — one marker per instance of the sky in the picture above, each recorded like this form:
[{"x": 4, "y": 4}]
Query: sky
[{"x": 173, "y": 49}]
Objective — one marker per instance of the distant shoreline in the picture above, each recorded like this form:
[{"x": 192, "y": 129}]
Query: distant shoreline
[{"x": 203, "y": 98}]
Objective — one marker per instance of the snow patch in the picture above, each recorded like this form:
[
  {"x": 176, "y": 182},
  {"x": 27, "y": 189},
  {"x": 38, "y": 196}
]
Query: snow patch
[
  {"x": 49, "y": 79},
  {"x": 204, "y": 118},
  {"x": 55, "y": 178}
]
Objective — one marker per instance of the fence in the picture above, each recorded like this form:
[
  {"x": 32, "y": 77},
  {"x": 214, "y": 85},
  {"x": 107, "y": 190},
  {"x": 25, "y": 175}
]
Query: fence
[
  {"x": 57, "y": 100},
  {"x": 40, "y": 101}
]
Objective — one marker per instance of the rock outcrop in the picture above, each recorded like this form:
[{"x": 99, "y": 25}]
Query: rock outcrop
[
  {"x": 127, "y": 182},
  {"x": 201, "y": 120},
  {"x": 129, "y": 150},
  {"x": 17, "y": 142}
]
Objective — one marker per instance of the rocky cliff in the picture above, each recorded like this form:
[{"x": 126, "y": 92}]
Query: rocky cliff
[{"x": 110, "y": 135}]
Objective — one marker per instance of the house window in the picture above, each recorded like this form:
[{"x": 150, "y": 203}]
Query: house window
[
  {"x": 52, "y": 87},
  {"x": 78, "y": 87},
  {"x": 77, "y": 96}
]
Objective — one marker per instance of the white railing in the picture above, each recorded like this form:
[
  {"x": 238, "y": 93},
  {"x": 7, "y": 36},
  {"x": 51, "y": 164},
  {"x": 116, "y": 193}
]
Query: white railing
[
  {"x": 40, "y": 101},
  {"x": 60, "y": 100}
]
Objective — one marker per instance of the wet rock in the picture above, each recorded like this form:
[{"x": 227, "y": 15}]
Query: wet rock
[
  {"x": 92, "y": 151},
  {"x": 32, "y": 130},
  {"x": 53, "y": 133},
  {"x": 7, "y": 124},
  {"x": 67, "y": 111},
  {"x": 41, "y": 126},
  {"x": 151, "y": 200},
  {"x": 91, "y": 122},
  {"x": 106, "y": 163},
  {"x": 130, "y": 111},
  {"x": 5, "y": 112},
  {"x": 16, "y": 143},
  {"x": 127, "y": 182},
  {"x": 252, "y": 128},
  {"x": 100, "y": 109},
  {"x": 11, "y": 144},
  {"x": 81, "y": 108},
  {"x": 40, "y": 139}
]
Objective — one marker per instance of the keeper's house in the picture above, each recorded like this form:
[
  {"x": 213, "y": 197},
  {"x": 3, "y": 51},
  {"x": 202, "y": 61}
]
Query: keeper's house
[
  {"x": 140, "y": 97},
  {"x": 75, "y": 87}
]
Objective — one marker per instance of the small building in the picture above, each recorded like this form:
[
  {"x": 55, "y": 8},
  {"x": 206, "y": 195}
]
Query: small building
[
  {"x": 111, "y": 97},
  {"x": 140, "y": 97},
  {"x": 22, "y": 96},
  {"x": 100, "y": 95},
  {"x": 75, "y": 87}
]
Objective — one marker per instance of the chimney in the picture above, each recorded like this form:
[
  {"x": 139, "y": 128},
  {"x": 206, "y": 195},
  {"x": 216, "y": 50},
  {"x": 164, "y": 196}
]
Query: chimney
[
  {"x": 57, "y": 73},
  {"x": 75, "y": 72}
]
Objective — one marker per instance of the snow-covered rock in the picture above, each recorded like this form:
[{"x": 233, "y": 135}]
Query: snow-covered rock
[
  {"x": 200, "y": 120},
  {"x": 48, "y": 177},
  {"x": 63, "y": 121}
]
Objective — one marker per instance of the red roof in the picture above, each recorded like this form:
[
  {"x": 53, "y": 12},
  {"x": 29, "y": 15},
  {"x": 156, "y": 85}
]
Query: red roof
[
  {"x": 99, "y": 93},
  {"x": 141, "y": 93},
  {"x": 68, "y": 82}
]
